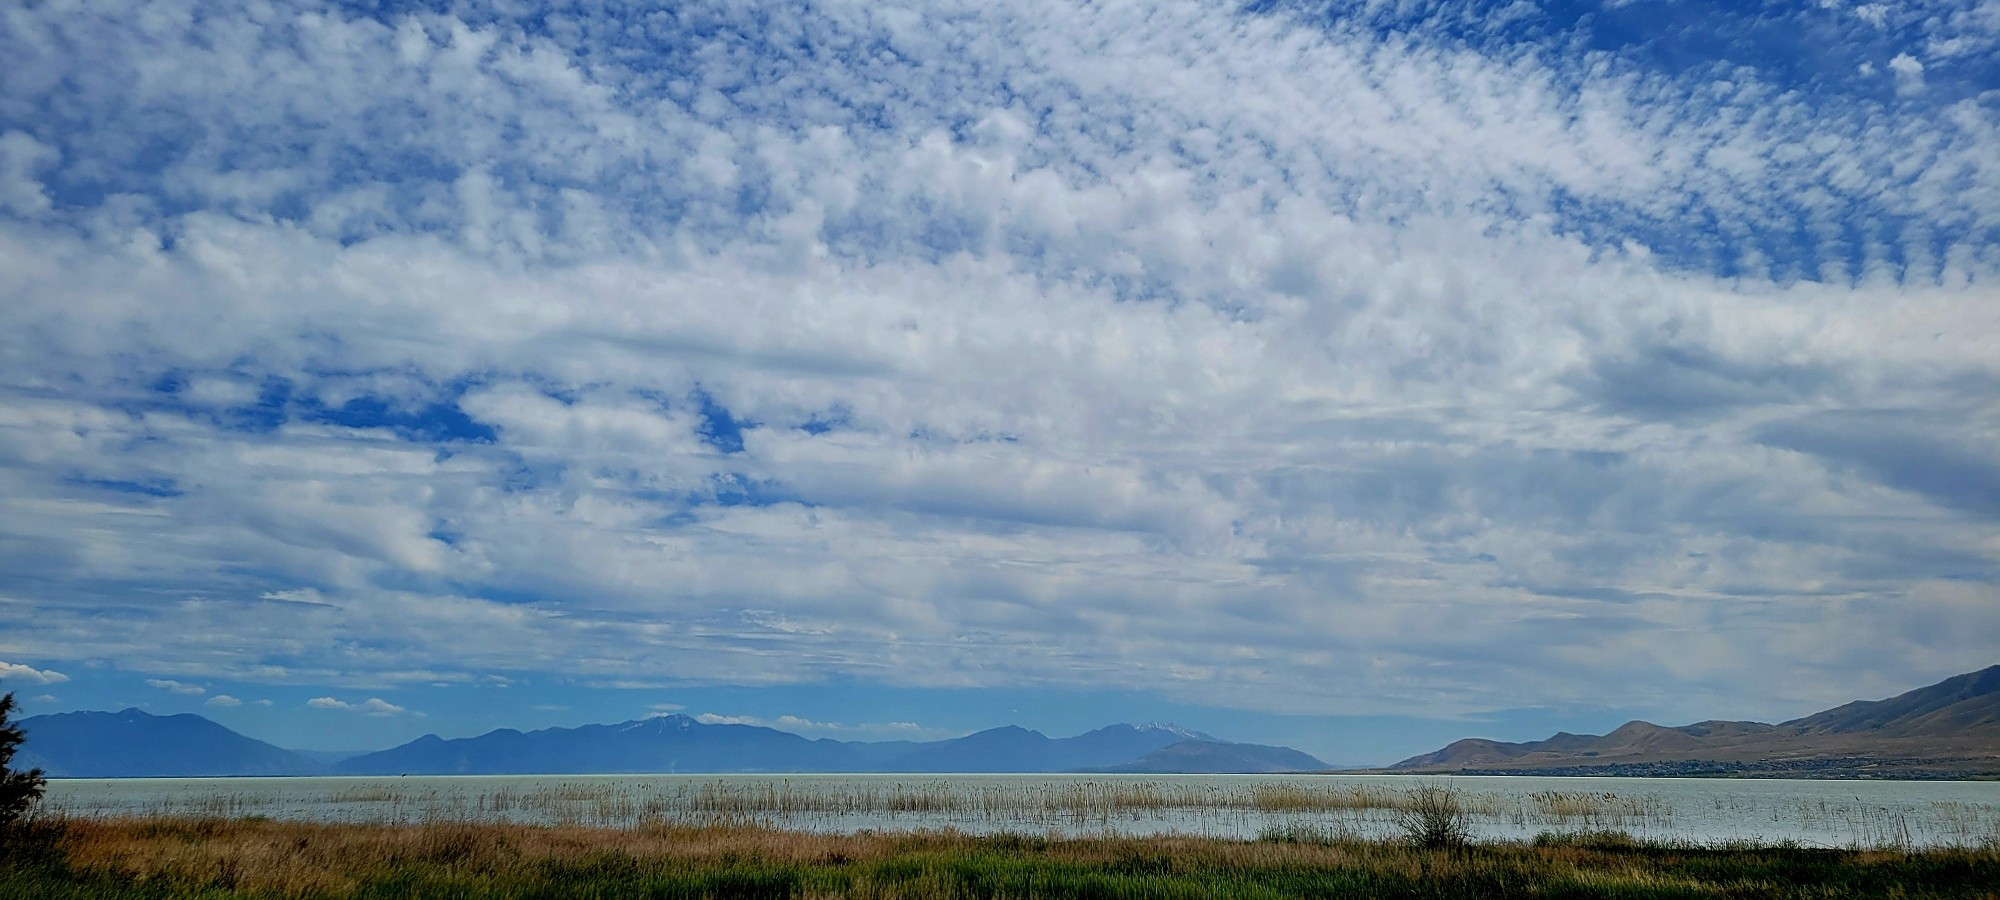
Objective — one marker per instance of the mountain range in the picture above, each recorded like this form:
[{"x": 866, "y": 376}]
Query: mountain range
[
  {"x": 1946, "y": 730},
  {"x": 133, "y": 744}
]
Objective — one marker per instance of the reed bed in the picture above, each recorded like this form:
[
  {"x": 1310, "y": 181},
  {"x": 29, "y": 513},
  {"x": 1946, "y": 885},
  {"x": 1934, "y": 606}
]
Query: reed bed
[
  {"x": 1570, "y": 809},
  {"x": 1068, "y": 804},
  {"x": 1073, "y": 806}
]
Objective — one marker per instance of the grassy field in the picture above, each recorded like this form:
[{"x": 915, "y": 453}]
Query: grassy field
[{"x": 223, "y": 858}]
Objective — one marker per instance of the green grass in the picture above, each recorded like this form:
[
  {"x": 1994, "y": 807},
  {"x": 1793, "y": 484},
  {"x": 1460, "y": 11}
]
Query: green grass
[{"x": 219, "y": 858}]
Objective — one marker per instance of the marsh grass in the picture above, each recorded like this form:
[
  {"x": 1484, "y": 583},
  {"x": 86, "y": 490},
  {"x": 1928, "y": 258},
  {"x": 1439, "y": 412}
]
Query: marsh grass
[
  {"x": 1221, "y": 808},
  {"x": 1594, "y": 809},
  {"x": 564, "y": 802},
  {"x": 219, "y": 858}
]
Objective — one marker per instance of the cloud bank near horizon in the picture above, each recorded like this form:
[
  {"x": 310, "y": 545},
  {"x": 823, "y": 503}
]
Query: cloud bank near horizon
[{"x": 1272, "y": 358}]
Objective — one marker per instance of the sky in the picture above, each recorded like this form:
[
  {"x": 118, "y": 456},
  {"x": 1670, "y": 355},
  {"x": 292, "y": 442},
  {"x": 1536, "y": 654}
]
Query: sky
[{"x": 1352, "y": 376}]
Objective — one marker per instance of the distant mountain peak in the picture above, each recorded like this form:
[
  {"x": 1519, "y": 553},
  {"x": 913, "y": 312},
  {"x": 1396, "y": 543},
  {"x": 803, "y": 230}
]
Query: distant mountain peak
[
  {"x": 660, "y": 722},
  {"x": 1171, "y": 728},
  {"x": 1636, "y": 727},
  {"x": 1961, "y": 701},
  {"x": 1980, "y": 683},
  {"x": 1948, "y": 729},
  {"x": 133, "y": 743},
  {"x": 1008, "y": 731}
]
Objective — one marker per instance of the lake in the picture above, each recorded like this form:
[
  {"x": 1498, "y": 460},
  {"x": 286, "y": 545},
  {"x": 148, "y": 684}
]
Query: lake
[{"x": 1812, "y": 813}]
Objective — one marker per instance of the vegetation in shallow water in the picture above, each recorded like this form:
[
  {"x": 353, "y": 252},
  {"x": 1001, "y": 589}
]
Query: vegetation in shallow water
[{"x": 220, "y": 858}]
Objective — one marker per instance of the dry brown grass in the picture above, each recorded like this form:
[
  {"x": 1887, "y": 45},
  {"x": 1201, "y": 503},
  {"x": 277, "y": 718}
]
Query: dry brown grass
[{"x": 222, "y": 857}]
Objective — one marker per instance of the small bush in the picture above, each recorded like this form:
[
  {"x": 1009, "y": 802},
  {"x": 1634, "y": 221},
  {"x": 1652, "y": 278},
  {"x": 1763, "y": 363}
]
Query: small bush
[{"x": 1432, "y": 818}]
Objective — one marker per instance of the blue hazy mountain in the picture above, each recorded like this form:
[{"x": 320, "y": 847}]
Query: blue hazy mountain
[
  {"x": 136, "y": 744},
  {"x": 681, "y": 744},
  {"x": 1209, "y": 757},
  {"x": 660, "y": 744},
  {"x": 1016, "y": 749}
]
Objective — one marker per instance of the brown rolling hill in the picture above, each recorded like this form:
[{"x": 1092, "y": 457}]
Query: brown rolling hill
[{"x": 1947, "y": 730}]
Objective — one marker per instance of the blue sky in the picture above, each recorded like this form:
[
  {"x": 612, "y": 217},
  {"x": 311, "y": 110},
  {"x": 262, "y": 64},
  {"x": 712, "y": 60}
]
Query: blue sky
[{"x": 1351, "y": 376}]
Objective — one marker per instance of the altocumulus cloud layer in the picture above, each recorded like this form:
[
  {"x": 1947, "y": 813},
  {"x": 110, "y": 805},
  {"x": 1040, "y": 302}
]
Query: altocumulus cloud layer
[{"x": 1306, "y": 359}]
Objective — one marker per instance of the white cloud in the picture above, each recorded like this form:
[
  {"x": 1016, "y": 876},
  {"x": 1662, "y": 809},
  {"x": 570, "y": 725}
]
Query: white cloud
[
  {"x": 800, "y": 724},
  {"x": 797, "y": 722},
  {"x": 1909, "y": 74},
  {"x": 715, "y": 719},
  {"x": 176, "y": 687},
  {"x": 224, "y": 700},
  {"x": 374, "y": 706},
  {"x": 19, "y": 672}
]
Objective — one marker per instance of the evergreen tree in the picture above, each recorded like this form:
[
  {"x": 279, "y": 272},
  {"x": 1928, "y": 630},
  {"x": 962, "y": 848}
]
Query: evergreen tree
[{"x": 18, "y": 790}]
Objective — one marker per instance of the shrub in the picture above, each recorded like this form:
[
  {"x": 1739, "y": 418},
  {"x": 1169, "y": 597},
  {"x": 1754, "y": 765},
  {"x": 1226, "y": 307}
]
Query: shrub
[{"x": 1432, "y": 818}]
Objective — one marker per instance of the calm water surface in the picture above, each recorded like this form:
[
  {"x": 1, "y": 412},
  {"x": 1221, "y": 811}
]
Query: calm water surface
[{"x": 1815, "y": 813}]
